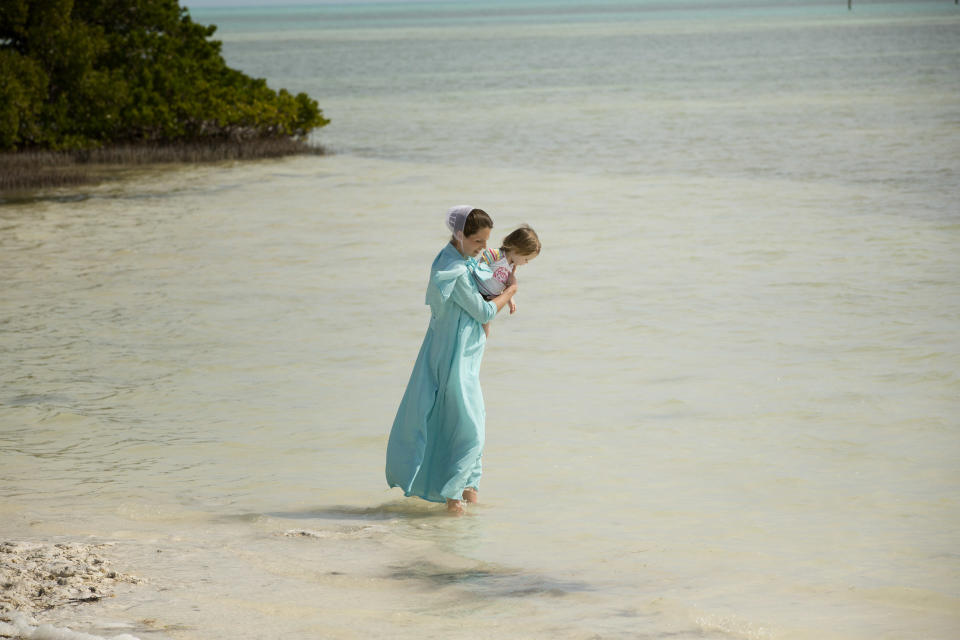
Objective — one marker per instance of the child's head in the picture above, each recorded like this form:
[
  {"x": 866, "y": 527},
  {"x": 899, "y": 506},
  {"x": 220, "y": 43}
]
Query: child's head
[{"x": 522, "y": 245}]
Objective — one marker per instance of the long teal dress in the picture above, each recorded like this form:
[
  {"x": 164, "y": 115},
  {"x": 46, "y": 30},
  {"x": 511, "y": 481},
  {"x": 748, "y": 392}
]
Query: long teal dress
[{"x": 437, "y": 437}]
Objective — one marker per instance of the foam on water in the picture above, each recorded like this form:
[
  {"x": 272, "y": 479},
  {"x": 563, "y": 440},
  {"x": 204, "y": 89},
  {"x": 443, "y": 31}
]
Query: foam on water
[{"x": 21, "y": 627}]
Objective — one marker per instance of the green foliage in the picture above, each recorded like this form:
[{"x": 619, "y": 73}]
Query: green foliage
[
  {"x": 81, "y": 73},
  {"x": 23, "y": 87}
]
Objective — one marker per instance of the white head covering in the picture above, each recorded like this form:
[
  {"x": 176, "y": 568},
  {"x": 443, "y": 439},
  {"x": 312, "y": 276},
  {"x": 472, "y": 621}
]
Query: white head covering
[{"x": 456, "y": 220}]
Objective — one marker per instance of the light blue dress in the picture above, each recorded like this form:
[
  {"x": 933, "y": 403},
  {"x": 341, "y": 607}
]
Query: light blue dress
[{"x": 437, "y": 437}]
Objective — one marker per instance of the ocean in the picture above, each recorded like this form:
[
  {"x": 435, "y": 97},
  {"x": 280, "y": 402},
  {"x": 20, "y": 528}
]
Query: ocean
[{"x": 726, "y": 408}]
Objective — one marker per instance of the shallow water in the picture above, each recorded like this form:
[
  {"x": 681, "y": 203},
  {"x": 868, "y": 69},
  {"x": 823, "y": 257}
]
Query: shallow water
[{"x": 726, "y": 407}]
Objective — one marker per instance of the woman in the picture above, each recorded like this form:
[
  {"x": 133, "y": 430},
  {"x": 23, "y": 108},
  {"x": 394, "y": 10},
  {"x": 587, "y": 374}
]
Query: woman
[{"x": 437, "y": 437}]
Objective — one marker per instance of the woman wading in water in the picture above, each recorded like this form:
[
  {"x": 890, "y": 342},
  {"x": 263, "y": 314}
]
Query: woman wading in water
[{"x": 437, "y": 437}]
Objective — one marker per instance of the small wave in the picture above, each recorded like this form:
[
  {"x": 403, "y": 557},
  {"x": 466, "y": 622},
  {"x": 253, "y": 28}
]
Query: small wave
[
  {"x": 733, "y": 626},
  {"x": 346, "y": 533},
  {"x": 385, "y": 511},
  {"x": 24, "y": 628}
]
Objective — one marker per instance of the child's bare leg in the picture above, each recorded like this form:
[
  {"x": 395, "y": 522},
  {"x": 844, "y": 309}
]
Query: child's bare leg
[
  {"x": 455, "y": 507},
  {"x": 471, "y": 495},
  {"x": 486, "y": 329}
]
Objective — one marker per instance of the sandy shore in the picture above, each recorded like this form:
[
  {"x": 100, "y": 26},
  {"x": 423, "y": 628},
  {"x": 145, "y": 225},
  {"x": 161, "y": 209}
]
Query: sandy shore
[{"x": 37, "y": 577}]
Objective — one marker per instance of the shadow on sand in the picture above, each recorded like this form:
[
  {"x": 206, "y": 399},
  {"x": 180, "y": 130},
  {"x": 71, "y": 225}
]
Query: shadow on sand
[
  {"x": 441, "y": 570},
  {"x": 487, "y": 580}
]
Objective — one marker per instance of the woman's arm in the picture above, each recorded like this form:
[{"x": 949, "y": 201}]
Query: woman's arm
[
  {"x": 505, "y": 297},
  {"x": 508, "y": 295},
  {"x": 465, "y": 295}
]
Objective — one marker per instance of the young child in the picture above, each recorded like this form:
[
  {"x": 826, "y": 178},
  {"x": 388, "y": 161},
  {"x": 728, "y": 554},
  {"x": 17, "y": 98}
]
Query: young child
[{"x": 518, "y": 248}]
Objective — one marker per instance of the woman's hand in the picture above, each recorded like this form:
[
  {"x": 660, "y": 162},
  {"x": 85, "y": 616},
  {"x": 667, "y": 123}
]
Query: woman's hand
[
  {"x": 512, "y": 280},
  {"x": 507, "y": 296}
]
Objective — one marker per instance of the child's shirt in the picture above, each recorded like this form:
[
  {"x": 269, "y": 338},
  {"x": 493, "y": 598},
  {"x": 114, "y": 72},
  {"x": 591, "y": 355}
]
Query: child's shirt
[{"x": 493, "y": 285}]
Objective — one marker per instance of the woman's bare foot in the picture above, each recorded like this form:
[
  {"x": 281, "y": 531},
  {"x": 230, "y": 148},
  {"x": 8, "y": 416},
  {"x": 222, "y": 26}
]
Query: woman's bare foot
[
  {"x": 470, "y": 495},
  {"x": 456, "y": 508}
]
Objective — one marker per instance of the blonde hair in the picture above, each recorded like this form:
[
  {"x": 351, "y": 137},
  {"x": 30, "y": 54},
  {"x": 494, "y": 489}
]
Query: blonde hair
[{"x": 523, "y": 241}]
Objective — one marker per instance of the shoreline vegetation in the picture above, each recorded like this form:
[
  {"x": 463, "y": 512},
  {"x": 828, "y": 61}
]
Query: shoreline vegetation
[
  {"x": 29, "y": 170},
  {"x": 90, "y": 84}
]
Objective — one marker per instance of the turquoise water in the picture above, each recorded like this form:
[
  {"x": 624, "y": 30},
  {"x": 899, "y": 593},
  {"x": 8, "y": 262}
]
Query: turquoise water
[
  {"x": 744, "y": 90},
  {"x": 726, "y": 407}
]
